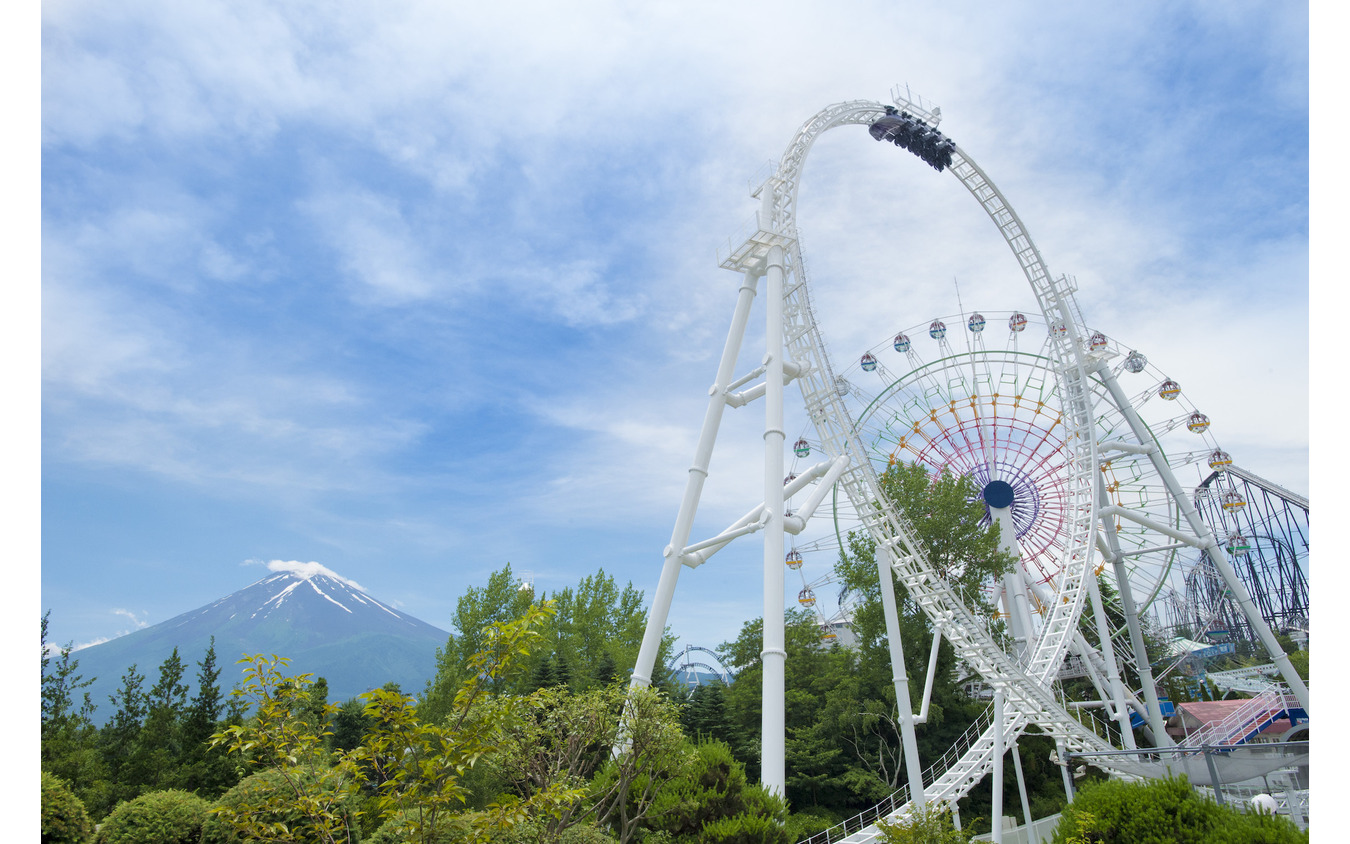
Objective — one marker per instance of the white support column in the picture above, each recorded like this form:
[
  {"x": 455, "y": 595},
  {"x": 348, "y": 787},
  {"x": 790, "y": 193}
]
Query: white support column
[
  {"x": 1064, "y": 769},
  {"x": 997, "y": 809},
  {"x": 773, "y": 774},
  {"x": 904, "y": 706},
  {"x": 693, "y": 489},
  {"x": 1022, "y": 790}
]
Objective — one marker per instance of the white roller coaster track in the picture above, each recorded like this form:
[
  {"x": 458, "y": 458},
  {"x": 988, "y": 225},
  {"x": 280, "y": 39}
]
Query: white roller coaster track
[{"x": 1028, "y": 694}]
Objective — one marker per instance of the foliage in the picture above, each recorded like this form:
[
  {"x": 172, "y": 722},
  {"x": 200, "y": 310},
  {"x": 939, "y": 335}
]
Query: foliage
[
  {"x": 267, "y": 796},
  {"x": 711, "y": 789},
  {"x": 745, "y": 829},
  {"x": 159, "y": 817},
  {"x": 946, "y": 512},
  {"x": 591, "y": 640},
  {"x": 926, "y": 824},
  {"x": 532, "y": 832},
  {"x": 419, "y": 767},
  {"x": 448, "y": 829},
  {"x": 1299, "y": 659},
  {"x": 557, "y": 739},
  {"x": 652, "y": 753},
  {"x": 477, "y": 610},
  {"x": 67, "y": 731},
  {"x": 1162, "y": 811},
  {"x": 280, "y": 738},
  {"x": 64, "y": 820}
]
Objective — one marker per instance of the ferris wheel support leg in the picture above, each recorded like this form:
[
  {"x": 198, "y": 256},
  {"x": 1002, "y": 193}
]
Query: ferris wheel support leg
[
  {"x": 904, "y": 706},
  {"x": 698, "y": 473},
  {"x": 773, "y": 657},
  {"x": 1122, "y": 712},
  {"x": 1155, "y": 719},
  {"x": 1216, "y": 554}
]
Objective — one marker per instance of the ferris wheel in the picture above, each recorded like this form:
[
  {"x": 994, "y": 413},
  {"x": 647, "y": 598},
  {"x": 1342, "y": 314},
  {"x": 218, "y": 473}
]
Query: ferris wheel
[
  {"x": 1076, "y": 466},
  {"x": 976, "y": 394}
]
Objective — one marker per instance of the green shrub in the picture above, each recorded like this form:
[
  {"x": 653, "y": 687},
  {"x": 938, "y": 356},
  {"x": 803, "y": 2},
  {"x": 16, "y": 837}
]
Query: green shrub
[
  {"x": 272, "y": 801},
  {"x": 160, "y": 817},
  {"x": 1164, "y": 811},
  {"x": 928, "y": 824},
  {"x": 745, "y": 829},
  {"x": 809, "y": 821},
  {"x": 451, "y": 829},
  {"x": 531, "y": 833},
  {"x": 64, "y": 820}
]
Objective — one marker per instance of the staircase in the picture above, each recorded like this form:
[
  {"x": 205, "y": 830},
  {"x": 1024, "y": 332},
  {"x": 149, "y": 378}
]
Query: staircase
[{"x": 1247, "y": 721}]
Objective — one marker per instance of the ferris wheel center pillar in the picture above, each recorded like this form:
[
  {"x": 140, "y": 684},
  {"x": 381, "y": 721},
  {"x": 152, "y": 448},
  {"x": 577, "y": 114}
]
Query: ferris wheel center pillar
[
  {"x": 773, "y": 773},
  {"x": 999, "y": 495}
]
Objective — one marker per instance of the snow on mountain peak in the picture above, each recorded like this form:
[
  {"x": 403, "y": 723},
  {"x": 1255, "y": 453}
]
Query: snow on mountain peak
[{"x": 311, "y": 569}]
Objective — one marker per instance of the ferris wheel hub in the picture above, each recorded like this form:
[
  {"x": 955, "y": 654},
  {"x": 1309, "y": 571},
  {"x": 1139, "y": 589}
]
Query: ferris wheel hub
[{"x": 998, "y": 494}]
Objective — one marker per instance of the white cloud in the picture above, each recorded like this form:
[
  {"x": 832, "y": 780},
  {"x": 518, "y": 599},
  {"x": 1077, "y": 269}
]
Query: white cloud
[
  {"x": 310, "y": 569},
  {"x": 376, "y": 245}
]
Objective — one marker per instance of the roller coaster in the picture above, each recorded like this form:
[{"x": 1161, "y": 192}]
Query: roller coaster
[{"x": 1075, "y": 440}]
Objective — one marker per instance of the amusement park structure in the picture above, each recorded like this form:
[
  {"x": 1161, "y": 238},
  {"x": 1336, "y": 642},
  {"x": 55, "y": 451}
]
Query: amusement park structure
[{"x": 1072, "y": 438}]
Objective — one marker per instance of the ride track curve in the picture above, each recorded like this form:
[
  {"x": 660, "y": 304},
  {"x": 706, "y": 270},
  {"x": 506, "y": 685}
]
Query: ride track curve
[{"x": 1087, "y": 524}]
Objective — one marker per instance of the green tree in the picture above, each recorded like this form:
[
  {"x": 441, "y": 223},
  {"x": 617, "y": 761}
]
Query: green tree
[
  {"x": 68, "y": 736},
  {"x": 653, "y": 752},
  {"x": 598, "y": 622},
  {"x": 712, "y": 800},
  {"x": 945, "y": 512},
  {"x": 350, "y": 724},
  {"x": 204, "y": 769},
  {"x": 704, "y": 714},
  {"x": 158, "y": 753},
  {"x": 279, "y": 738},
  {"x": 118, "y": 740},
  {"x": 502, "y": 600}
]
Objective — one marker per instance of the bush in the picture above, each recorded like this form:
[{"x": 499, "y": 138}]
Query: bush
[
  {"x": 160, "y": 817},
  {"x": 713, "y": 790},
  {"x": 272, "y": 801},
  {"x": 450, "y": 830},
  {"x": 531, "y": 833},
  {"x": 453, "y": 829},
  {"x": 809, "y": 821},
  {"x": 1165, "y": 811},
  {"x": 64, "y": 820},
  {"x": 745, "y": 829},
  {"x": 929, "y": 824}
]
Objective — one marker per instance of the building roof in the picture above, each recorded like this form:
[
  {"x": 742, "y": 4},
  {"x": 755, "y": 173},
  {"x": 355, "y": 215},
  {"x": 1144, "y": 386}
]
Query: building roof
[{"x": 1198, "y": 714}]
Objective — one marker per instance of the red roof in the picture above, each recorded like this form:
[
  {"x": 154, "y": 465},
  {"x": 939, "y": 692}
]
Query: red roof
[{"x": 1198, "y": 714}]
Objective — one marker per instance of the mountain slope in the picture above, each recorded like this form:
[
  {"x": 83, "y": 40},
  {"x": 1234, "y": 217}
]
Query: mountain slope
[{"x": 323, "y": 622}]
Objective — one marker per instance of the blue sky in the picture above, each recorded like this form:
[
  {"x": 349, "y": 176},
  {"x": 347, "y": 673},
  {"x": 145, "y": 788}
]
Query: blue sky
[{"x": 417, "y": 289}]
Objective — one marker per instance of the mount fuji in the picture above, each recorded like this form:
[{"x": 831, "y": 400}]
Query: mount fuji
[{"x": 326, "y": 624}]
